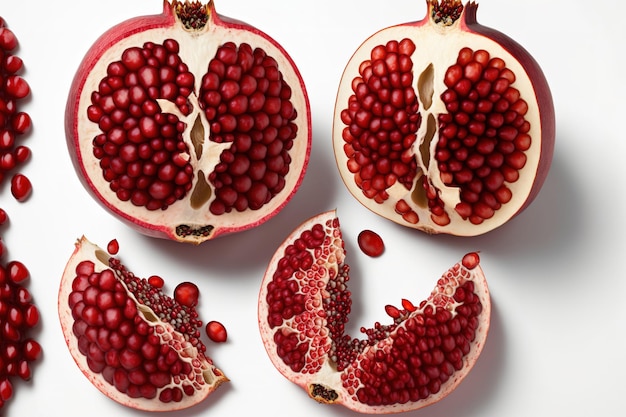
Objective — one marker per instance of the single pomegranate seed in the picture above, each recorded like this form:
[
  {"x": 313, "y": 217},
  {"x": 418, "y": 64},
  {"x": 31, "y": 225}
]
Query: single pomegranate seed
[
  {"x": 21, "y": 187},
  {"x": 3, "y": 216},
  {"x": 113, "y": 247},
  {"x": 216, "y": 331},
  {"x": 17, "y": 271},
  {"x": 156, "y": 281},
  {"x": 471, "y": 260},
  {"x": 371, "y": 243},
  {"x": 187, "y": 294}
]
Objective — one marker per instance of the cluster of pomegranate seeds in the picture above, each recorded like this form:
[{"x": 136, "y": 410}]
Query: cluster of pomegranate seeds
[
  {"x": 127, "y": 343},
  {"x": 248, "y": 103},
  {"x": 382, "y": 120},
  {"x": 13, "y": 122},
  {"x": 484, "y": 134},
  {"x": 141, "y": 150},
  {"x": 18, "y": 313}
]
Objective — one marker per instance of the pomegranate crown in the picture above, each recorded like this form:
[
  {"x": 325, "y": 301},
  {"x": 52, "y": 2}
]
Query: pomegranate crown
[
  {"x": 193, "y": 15},
  {"x": 445, "y": 12}
]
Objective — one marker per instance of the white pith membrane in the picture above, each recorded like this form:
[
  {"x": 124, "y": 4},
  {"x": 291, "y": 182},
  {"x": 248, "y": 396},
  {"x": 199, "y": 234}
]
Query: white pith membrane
[
  {"x": 205, "y": 376},
  {"x": 197, "y": 48},
  {"x": 320, "y": 376},
  {"x": 437, "y": 47}
]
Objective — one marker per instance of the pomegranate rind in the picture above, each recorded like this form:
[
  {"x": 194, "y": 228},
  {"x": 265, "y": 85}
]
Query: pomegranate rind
[
  {"x": 87, "y": 251},
  {"x": 324, "y": 373},
  {"x": 449, "y": 40},
  {"x": 219, "y": 29}
]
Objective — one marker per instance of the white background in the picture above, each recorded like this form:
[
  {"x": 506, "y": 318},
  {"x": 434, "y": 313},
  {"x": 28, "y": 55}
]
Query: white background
[{"x": 556, "y": 272}]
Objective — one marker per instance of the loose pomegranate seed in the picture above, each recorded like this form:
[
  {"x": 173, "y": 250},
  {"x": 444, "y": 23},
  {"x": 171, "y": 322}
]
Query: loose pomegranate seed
[
  {"x": 371, "y": 243},
  {"x": 216, "y": 331},
  {"x": 156, "y": 281},
  {"x": 470, "y": 260},
  {"x": 187, "y": 294},
  {"x": 21, "y": 187},
  {"x": 113, "y": 247},
  {"x": 17, "y": 271}
]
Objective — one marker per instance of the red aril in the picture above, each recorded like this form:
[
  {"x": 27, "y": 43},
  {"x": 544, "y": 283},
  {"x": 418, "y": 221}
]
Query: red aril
[
  {"x": 136, "y": 344},
  {"x": 113, "y": 247},
  {"x": 216, "y": 331},
  {"x": 156, "y": 281},
  {"x": 189, "y": 125},
  {"x": 371, "y": 243},
  {"x": 416, "y": 360},
  {"x": 444, "y": 125},
  {"x": 187, "y": 294}
]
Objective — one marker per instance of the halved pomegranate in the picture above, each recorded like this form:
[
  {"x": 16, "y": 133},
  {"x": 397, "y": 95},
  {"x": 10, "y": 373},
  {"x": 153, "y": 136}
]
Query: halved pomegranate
[
  {"x": 137, "y": 345},
  {"x": 188, "y": 125},
  {"x": 444, "y": 125},
  {"x": 414, "y": 361}
]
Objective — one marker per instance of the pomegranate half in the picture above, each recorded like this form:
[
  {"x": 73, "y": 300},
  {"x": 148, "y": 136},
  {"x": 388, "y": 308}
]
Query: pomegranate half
[
  {"x": 189, "y": 125},
  {"x": 414, "y": 361},
  {"x": 137, "y": 345},
  {"x": 444, "y": 125}
]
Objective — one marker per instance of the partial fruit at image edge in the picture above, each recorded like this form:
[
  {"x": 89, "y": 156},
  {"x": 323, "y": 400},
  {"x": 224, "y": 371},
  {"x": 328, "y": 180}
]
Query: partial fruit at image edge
[
  {"x": 189, "y": 125},
  {"x": 444, "y": 125},
  {"x": 137, "y": 345},
  {"x": 414, "y": 361}
]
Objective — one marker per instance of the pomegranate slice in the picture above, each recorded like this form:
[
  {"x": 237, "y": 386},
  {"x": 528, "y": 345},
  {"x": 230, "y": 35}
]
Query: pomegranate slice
[
  {"x": 189, "y": 125},
  {"x": 410, "y": 363},
  {"x": 137, "y": 345},
  {"x": 444, "y": 125}
]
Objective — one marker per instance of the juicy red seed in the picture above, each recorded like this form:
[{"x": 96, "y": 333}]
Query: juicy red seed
[
  {"x": 17, "y": 271},
  {"x": 187, "y": 294},
  {"x": 156, "y": 281},
  {"x": 471, "y": 260},
  {"x": 21, "y": 187},
  {"x": 216, "y": 331},
  {"x": 371, "y": 243},
  {"x": 16, "y": 87},
  {"x": 113, "y": 247}
]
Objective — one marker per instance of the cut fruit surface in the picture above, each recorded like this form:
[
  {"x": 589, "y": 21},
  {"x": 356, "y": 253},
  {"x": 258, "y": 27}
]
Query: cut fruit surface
[{"x": 416, "y": 360}]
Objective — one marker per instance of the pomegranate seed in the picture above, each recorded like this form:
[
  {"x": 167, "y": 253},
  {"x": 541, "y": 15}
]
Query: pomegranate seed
[
  {"x": 3, "y": 216},
  {"x": 371, "y": 243},
  {"x": 216, "y": 331},
  {"x": 156, "y": 281},
  {"x": 113, "y": 247},
  {"x": 21, "y": 187},
  {"x": 471, "y": 260},
  {"x": 17, "y": 271},
  {"x": 187, "y": 294}
]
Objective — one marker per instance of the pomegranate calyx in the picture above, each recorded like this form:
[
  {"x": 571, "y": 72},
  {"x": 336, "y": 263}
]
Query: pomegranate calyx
[
  {"x": 445, "y": 12},
  {"x": 193, "y": 15}
]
